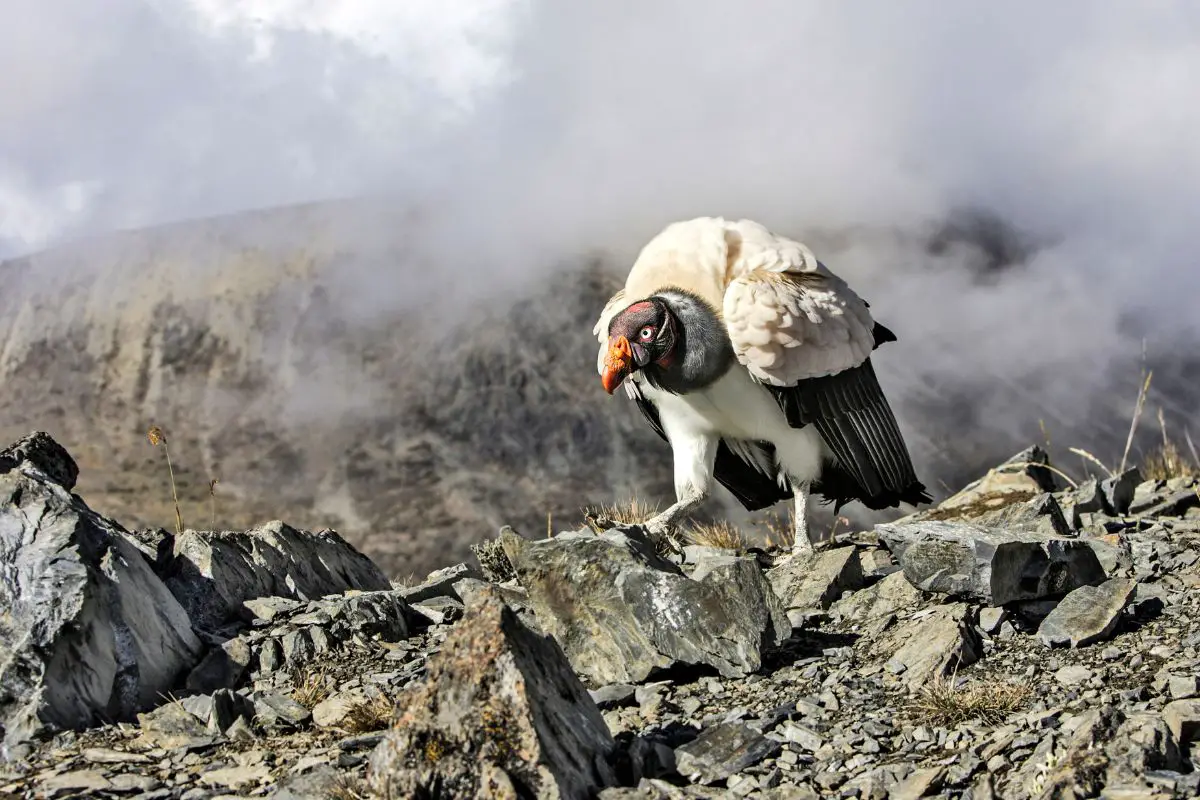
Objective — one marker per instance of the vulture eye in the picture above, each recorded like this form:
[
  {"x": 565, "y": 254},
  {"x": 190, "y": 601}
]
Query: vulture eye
[{"x": 646, "y": 334}]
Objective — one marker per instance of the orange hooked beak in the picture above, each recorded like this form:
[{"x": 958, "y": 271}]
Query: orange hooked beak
[{"x": 616, "y": 363}]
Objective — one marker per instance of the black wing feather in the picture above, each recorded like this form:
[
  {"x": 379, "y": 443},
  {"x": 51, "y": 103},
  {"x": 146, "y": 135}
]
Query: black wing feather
[
  {"x": 856, "y": 422},
  {"x": 752, "y": 488}
]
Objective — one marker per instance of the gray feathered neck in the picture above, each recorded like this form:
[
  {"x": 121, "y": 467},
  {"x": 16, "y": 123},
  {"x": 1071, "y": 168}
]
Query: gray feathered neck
[{"x": 702, "y": 353}]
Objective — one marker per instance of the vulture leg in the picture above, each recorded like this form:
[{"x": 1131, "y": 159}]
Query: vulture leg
[
  {"x": 695, "y": 456},
  {"x": 802, "y": 543}
]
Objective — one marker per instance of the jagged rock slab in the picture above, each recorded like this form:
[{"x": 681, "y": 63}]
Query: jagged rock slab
[
  {"x": 721, "y": 751},
  {"x": 932, "y": 645},
  {"x": 620, "y": 612},
  {"x": 1020, "y": 478},
  {"x": 875, "y": 608},
  {"x": 990, "y": 565},
  {"x": 1086, "y": 615},
  {"x": 814, "y": 580},
  {"x": 501, "y": 714},
  {"x": 213, "y": 573},
  {"x": 88, "y": 630}
]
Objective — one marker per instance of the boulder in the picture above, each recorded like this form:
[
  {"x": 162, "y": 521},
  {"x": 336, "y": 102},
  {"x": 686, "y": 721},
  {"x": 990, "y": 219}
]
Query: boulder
[
  {"x": 213, "y": 573},
  {"x": 1086, "y": 615},
  {"x": 89, "y": 632},
  {"x": 990, "y": 565},
  {"x": 620, "y": 611},
  {"x": 500, "y": 714}
]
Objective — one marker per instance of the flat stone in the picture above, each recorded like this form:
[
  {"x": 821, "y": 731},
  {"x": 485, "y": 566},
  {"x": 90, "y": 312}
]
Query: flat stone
[
  {"x": 80, "y": 780},
  {"x": 440, "y": 583},
  {"x": 989, "y": 565},
  {"x": 1073, "y": 674},
  {"x": 500, "y": 708},
  {"x": 237, "y": 778},
  {"x": 1182, "y": 687},
  {"x": 612, "y": 695},
  {"x": 333, "y": 710},
  {"x": 1183, "y": 718},
  {"x": 214, "y": 573},
  {"x": 620, "y": 611},
  {"x": 268, "y": 608},
  {"x": 272, "y": 709},
  {"x": 814, "y": 580},
  {"x": 990, "y": 619},
  {"x": 723, "y": 750},
  {"x": 172, "y": 726},
  {"x": 1086, "y": 615}
]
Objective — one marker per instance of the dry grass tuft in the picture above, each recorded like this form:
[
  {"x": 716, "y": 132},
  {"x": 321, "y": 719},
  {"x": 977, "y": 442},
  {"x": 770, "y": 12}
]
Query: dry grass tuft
[
  {"x": 310, "y": 687},
  {"x": 349, "y": 787},
  {"x": 781, "y": 533},
  {"x": 1167, "y": 461},
  {"x": 718, "y": 534},
  {"x": 157, "y": 437},
  {"x": 373, "y": 715},
  {"x": 630, "y": 512},
  {"x": 943, "y": 703}
]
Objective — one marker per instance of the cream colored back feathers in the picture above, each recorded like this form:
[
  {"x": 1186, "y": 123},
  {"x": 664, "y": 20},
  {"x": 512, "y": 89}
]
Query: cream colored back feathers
[{"x": 788, "y": 316}]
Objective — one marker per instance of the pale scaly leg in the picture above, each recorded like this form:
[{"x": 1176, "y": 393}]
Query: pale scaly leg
[
  {"x": 695, "y": 456},
  {"x": 802, "y": 543}
]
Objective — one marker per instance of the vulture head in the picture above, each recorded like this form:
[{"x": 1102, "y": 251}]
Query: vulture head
[
  {"x": 645, "y": 333},
  {"x": 674, "y": 337}
]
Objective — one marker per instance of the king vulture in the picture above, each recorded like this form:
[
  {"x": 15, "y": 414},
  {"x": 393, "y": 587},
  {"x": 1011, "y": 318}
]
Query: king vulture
[{"x": 753, "y": 361}]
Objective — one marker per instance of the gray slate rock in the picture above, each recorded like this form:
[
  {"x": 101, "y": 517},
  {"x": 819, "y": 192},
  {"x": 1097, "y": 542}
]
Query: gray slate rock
[
  {"x": 990, "y": 565},
  {"x": 620, "y": 611},
  {"x": 440, "y": 583},
  {"x": 500, "y": 709},
  {"x": 815, "y": 580},
  {"x": 932, "y": 645},
  {"x": 721, "y": 751},
  {"x": 89, "y": 631},
  {"x": 1086, "y": 615},
  {"x": 214, "y": 573}
]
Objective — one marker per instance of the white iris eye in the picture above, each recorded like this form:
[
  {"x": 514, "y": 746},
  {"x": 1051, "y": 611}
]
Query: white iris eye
[{"x": 647, "y": 334}]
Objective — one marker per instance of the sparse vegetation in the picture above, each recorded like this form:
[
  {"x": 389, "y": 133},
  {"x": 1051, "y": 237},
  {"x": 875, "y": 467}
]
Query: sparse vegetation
[
  {"x": 630, "y": 512},
  {"x": 1167, "y": 461},
  {"x": 633, "y": 511},
  {"x": 310, "y": 687},
  {"x": 349, "y": 787},
  {"x": 718, "y": 534},
  {"x": 157, "y": 437},
  {"x": 373, "y": 715},
  {"x": 944, "y": 702},
  {"x": 781, "y": 533}
]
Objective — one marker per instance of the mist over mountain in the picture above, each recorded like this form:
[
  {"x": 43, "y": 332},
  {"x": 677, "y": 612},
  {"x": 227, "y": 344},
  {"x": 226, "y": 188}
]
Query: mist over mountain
[{"x": 364, "y": 244}]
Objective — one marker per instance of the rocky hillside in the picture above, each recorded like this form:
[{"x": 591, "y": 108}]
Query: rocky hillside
[
  {"x": 323, "y": 363},
  {"x": 1024, "y": 639}
]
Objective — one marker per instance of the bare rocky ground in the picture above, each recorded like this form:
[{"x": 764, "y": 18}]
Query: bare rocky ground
[{"x": 1021, "y": 640}]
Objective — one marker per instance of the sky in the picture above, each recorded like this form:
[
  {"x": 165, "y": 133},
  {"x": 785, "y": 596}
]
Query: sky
[{"x": 542, "y": 129}]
